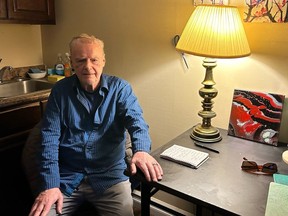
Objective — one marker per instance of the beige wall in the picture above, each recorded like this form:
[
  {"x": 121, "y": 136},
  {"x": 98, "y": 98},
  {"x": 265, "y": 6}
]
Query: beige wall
[
  {"x": 20, "y": 45},
  {"x": 138, "y": 37}
]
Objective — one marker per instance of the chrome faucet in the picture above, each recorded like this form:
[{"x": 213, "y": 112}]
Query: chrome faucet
[{"x": 3, "y": 70}]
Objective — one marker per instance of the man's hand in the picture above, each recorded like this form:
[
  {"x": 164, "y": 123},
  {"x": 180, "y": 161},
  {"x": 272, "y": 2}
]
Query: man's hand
[
  {"x": 148, "y": 165},
  {"x": 45, "y": 200}
]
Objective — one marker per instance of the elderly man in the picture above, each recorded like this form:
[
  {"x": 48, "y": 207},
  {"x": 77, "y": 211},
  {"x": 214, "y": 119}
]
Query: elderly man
[{"x": 83, "y": 139}]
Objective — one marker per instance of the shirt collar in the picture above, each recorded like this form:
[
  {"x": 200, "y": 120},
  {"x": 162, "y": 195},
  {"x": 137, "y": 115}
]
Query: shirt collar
[{"x": 103, "y": 83}]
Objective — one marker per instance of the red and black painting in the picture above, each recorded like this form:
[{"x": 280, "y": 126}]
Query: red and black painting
[{"x": 256, "y": 116}]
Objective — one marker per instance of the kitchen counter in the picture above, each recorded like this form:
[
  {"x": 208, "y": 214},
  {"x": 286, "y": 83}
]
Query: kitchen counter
[
  {"x": 9, "y": 102},
  {"x": 19, "y": 114},
  {"x": 24, "y": 98}
]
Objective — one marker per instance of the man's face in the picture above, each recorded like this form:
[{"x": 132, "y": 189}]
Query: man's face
[{"x": 88, "y": 61}]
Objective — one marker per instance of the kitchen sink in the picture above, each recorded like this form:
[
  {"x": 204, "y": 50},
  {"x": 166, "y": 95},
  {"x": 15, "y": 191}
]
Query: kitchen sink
[{"x": 17, "y": 88}]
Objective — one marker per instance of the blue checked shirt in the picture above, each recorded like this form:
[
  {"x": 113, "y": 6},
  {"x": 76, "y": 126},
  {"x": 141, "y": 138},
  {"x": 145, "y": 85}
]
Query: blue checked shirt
[{"x": 84, "y": 134}]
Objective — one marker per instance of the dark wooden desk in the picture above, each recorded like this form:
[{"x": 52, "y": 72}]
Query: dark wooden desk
[{"x": 219, "y": 184}]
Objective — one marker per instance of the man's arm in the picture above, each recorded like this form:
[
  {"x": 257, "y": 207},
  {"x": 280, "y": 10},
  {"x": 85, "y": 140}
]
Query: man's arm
[{"x": 141, "y": 142}]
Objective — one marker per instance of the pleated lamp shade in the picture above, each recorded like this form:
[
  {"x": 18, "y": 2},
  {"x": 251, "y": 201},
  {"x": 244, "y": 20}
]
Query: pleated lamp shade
[{"x": 214, "y": 31}]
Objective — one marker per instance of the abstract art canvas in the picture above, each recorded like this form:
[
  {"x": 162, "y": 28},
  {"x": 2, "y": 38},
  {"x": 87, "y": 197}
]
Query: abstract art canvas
[{"x": 256, "y": 116}]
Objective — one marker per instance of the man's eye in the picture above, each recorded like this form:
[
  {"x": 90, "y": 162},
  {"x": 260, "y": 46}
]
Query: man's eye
[
  {"x": 94, "y": 60},
  {"x": 80, "y": 60}
]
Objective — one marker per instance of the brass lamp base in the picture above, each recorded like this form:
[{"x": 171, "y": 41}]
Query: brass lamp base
[
  {"x": 205, "y": 132},
  {"x": 206, "y": 135}
]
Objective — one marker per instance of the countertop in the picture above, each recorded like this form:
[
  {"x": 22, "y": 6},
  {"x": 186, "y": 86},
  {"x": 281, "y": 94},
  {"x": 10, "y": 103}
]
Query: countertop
[{"x": 24, "y": 98}]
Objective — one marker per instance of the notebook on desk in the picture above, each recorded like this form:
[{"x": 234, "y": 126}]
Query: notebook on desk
[
  {"x": 277, "y": 200},
  {"x": 185, "y": 156}
]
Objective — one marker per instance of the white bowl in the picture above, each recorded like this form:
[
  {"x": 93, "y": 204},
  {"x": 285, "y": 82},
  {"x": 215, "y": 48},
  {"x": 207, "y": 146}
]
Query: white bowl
[{"x": 37, "y": 75}]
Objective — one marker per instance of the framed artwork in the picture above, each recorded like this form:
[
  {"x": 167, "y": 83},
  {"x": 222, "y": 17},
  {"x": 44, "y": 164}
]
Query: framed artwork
[
  {"x": 264, "y": 11},
  {"x": 219, "y": 2},
  {"x": 256, "y": 116},
  {"x": 268, "y": 11}
]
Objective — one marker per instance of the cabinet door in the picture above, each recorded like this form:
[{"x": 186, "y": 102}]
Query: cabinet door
[
  {"x": 32, "y": 11},
  {"x": 3, "y": 11},
  {"x": 16, "y": 124}
]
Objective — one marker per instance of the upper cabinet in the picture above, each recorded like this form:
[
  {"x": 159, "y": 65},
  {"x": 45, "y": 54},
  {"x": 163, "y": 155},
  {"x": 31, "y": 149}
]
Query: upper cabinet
[
  {"x": 3, "y": 9},
  {"x": 27, "y": 11}
]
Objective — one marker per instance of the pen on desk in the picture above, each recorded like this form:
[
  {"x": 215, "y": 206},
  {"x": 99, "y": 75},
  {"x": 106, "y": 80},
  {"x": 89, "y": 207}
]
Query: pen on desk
[{"x": 205, "y": 147}]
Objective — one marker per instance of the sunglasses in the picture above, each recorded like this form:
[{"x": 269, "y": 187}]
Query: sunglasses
[{"x": 253, "y": 167}]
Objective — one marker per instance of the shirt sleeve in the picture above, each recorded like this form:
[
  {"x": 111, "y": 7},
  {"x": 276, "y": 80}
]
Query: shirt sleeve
[
  {"x": 131, "y": 111},
  {"x": 49, "y": 169}
]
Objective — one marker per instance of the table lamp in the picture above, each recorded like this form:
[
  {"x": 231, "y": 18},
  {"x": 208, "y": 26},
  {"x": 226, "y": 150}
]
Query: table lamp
[{"x": 213, "y": 31}]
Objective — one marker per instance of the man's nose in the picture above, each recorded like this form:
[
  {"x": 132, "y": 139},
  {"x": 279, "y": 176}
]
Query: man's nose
[{"x": 88, "y": 64}]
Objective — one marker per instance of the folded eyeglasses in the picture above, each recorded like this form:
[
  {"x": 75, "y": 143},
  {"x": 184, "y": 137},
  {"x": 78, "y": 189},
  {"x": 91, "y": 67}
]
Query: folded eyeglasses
[{"x": 253, "y": 167}]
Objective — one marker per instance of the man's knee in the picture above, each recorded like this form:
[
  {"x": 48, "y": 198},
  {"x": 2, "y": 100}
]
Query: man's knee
[{"x": 116, "y": 200}]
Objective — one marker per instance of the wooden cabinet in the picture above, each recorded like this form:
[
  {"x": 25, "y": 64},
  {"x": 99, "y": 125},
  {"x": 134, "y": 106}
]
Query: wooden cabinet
[
  {"x": 27, "y": 11},
  {"x": 16, "y": 197},
  {"x": 3, "y": 9},
  {"x": 16, "y": 123}
]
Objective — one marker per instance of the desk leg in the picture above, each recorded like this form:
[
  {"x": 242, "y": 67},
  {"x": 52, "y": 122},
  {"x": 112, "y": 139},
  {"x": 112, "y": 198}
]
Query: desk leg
[
  {"x": 145, "y": 199},
  {"x": 199, "y": 210}
]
